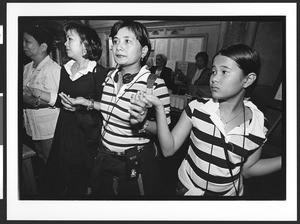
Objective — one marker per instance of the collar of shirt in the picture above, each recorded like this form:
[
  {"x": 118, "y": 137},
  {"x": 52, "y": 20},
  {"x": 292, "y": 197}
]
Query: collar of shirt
[
  {"x": 33, "y": 71},
  {"x": 91, "y": 65},
  {"x": 212, "y": 106},
  {"x": 110, "y": 78}
]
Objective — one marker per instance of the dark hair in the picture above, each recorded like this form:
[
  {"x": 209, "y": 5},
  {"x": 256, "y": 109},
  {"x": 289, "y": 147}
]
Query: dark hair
[
  {"x": 247, "y": 59},
  {"x": 164, "y": 58},
  {"x": 41, "y": 34},
  {"x": 89, "y": 38},
  {"x": 140, "y": 32},
  {"x": 203, "y": 55}
]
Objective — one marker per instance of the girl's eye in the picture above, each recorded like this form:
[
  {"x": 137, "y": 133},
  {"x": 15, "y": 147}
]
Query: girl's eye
[
  {"x": 115, "y": 41},
  {"x": 224, "y": 72},
  {"x": 128, "y": 41}
]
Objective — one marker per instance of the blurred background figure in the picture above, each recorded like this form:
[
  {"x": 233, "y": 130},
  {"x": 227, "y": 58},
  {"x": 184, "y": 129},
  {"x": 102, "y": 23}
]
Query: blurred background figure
[
  {"x": 162, "y": 71},
  {"x": 197, "y": 75}
]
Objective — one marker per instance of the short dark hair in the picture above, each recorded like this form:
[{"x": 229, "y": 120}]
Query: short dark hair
[
  {"x": 140, "y": 32},
  {"x": 41, "y": 34},
  {"x": 164, "y": 58},
  {"x": 246, "y": 58},
  {"x": 89, "y": 38},
  {"x": 203, "y": 55}
]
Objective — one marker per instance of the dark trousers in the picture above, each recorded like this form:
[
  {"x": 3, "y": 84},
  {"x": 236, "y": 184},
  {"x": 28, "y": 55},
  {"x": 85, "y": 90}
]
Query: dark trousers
[{"x": 111, "y": 173}]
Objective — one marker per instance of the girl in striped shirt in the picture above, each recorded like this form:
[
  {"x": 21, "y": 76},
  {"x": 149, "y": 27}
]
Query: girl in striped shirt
[{"x": 226, "y": 132}]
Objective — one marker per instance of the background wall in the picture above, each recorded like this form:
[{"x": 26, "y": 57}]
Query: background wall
[{"x": 265, "y": 34}]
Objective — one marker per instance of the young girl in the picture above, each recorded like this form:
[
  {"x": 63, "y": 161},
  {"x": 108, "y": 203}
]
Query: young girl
[
  {"x": 226, "y": 132},
  {"x": 70, "y": 161},
  {"x": 126, "y": 163}
]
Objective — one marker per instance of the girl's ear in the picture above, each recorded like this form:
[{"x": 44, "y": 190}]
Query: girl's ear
[
  {"x": 249, "y": 79},
  {"x": 144, "y": 51}
]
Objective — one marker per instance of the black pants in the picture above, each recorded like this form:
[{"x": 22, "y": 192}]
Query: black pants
[{"x": 110, "y": 178}]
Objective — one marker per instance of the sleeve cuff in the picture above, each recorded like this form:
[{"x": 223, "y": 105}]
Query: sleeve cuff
[{"x": 53, "y": 97}]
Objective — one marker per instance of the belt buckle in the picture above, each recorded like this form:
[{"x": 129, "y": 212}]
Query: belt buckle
[{"x": 139, "y": 148}]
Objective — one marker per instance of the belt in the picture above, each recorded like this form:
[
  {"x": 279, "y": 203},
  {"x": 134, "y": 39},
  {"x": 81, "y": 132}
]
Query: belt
[{"x": 139, "y": 148}]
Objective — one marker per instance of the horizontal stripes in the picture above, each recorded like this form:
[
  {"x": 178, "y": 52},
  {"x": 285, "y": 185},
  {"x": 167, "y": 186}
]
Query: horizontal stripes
[
  {"x": 207, "y": 166},
  {"x": 118, "y": 134}
]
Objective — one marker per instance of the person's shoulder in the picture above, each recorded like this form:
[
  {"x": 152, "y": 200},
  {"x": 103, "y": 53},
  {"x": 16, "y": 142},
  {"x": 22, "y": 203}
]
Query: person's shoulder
[
  {"x": 200, "y": 104},
  {"x": 52, "y": 65},
  {"x": 168, "y": 69},
  {"x": 152, "y": 69},
  {"x": 56, "y": 65},
  {"x": 100, "y": 72},
  {"x": 101, "y": 69},
  {"x": 202, "y": 100}
]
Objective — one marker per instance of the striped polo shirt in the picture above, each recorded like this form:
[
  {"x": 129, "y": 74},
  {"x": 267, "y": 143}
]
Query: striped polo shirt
[
  {"x": 205, "y": 167},
  {"x": 117, "y": 132}
]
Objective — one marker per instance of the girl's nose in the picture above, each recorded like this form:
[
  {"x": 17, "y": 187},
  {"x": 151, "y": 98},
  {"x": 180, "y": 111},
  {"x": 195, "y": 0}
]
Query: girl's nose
[{"x": 214, "y": 77}]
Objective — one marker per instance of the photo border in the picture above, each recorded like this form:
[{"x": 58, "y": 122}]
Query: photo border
[{"x": 192, "y": 210}]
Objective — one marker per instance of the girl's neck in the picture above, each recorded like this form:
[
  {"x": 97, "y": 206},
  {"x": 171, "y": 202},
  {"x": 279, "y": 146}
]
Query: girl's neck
[{"x": 232, "y": 105}]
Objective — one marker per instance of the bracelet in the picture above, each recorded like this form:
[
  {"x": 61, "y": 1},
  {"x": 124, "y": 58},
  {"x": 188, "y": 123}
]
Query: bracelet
[
  {"x": 91, "y": 106},
  {"x": 143, "y": 130}
]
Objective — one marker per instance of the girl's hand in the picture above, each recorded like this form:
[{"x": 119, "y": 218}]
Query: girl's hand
[{"x": 153, "y": 101}]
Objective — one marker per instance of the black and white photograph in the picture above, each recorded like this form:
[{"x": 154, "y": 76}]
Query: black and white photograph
[{"x": 150, "y": 111}]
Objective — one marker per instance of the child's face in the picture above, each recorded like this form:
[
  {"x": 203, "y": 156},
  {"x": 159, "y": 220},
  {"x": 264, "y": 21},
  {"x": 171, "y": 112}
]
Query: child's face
[
  {"x": 31, "y": 47},
  {"x": 127, "y": 50},
  {"x": 227, "y": 79},
  {"x": 74, "y": 47}
]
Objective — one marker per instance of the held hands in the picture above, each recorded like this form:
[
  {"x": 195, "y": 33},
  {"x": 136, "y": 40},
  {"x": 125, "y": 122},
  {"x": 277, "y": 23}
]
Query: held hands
[
  {"x": 138, "y": 108},
  {"x": 69, "y": 103},
  {"x": 140, "y": 102}
]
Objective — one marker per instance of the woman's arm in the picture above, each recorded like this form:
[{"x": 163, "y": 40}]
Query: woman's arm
[
  {"x": 35, "y": 98},
  {"x": 90, "y": 104},
  {"x": 255, "y": 166},
  {"x": 169, "y": 141}
]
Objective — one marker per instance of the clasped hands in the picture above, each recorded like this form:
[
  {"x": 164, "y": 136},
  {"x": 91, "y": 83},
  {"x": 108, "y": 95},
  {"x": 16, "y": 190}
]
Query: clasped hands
[
  {"x": 140, "y": 103},
  {"x": 70, "y": 103}
]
